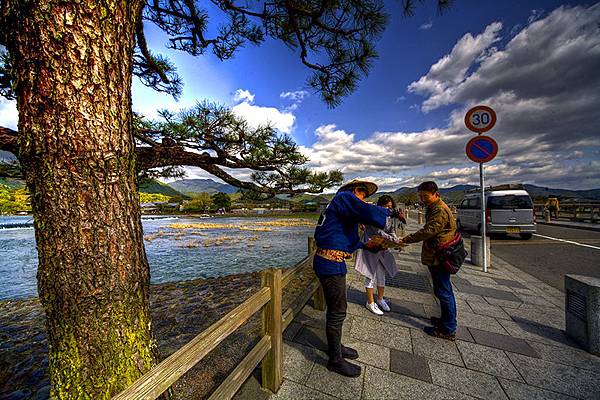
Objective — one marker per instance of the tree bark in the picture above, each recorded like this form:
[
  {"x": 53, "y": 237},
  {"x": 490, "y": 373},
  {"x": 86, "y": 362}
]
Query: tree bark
[{"x": 73, "y": 62}]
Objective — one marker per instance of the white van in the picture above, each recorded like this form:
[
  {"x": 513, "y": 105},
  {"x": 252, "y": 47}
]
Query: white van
[{"x": 507, "y": 211}]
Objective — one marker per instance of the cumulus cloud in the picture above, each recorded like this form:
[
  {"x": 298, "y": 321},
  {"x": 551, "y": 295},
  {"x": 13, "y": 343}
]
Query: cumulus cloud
[
  {"x": 243, "y": 95},
  {"x": 298, "y": 95},
  {"x": 545, "y": 87},
  {"x": 259, "y": 115}
]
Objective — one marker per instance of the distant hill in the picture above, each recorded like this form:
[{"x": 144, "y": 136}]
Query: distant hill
[
  {"x": 187, "y": 186},
  {"x": 12, "y": 183},
  {"x": 154, "y": 186},
  {"x": 539, "y": 191}
]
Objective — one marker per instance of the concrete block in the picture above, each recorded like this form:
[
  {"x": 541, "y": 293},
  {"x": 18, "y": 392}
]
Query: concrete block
[
  {"x": 476, "y": 253},
  {"x": 582, "y": 309}
]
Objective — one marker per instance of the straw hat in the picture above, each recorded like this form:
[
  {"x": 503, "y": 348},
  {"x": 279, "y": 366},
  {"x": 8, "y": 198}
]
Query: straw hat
[{"x": 370, "y": 186}]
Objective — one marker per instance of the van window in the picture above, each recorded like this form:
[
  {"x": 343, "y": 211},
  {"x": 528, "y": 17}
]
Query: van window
[
  {"x": 474, "y": 203},
  {"x": 509, "y": 202}
]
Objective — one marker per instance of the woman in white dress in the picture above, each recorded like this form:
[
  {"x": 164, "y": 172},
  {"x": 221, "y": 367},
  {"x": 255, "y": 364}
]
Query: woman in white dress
[{"x": 375, "y": 266}]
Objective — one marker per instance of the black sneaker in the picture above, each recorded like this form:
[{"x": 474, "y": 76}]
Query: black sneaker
[
  {"x": 343, "y": 367},
  {"x": 349, "y": 353},
  {"x": 436, "y": 332}
]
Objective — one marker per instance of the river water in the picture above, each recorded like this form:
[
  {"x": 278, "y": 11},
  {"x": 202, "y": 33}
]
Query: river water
[{"x": 201, "y": 248}]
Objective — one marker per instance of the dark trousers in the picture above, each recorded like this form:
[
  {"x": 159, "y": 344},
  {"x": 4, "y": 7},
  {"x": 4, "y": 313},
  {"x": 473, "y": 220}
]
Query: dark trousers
[
  {"x": 334, "y": 289},
  {"x": 442, "y": 288}
]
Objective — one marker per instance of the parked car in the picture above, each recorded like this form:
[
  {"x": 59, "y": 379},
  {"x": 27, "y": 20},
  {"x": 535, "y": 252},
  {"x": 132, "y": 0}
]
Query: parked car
[{"x": 507, "y": 211}]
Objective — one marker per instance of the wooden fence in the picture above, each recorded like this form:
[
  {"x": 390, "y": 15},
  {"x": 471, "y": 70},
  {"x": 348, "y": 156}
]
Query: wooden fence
[{"x": 269, "y": 349}]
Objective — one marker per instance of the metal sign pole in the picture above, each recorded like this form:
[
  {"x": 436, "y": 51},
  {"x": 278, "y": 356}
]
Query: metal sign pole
[{"x": 483, "y": 221}]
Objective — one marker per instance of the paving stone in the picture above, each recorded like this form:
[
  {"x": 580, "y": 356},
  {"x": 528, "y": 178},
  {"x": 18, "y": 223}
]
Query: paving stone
[
  {"x": 385, "y": 385},
  {"x": 341, "y": 387},
  {"x": 567, "y": 355},
  {"x": 312, "y": 337},
  {"x": 484, "y": 308},
  {"x": 503, "y": 342},
  {"x": 410, "y": 365},
  {"x": 378, "y": 332},
  {"x": 503, "y": 303},
  {"x": 407, "y": 321},
  {"x": 250, "y": 390},
  {"x": 462, "y": 333},
  {"x": 410, "y": 281},
  {"x": 435, "y": 348},
  {"x": 407, "y": 307},
  {"x": 509, "y": 283},
  {"x": 291, "y": 330},
  {"x": 293, "y": 391},
  {"x": 488, "y": 292},
  {"x": 410, "y": 295},
  {"x": 297, "y": 361},
  {"x": 535, "y": 332},
  {"x": 371, "y": 354},
  {"x": 481, "y": 322},
  {"x": 551, "y": 317},
  {"x": 488, "y": 360},
  {"x": 522, "y": 391},
  {"x": 560, "y": 378},
  {"x": 466, "y": 381}
]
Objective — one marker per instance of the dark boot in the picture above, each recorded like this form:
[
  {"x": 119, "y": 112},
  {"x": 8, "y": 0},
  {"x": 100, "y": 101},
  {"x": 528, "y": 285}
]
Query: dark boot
[
  {"x": 349, "y": 353},
  {"x": 435, "y": 321},
  {"x": 343, "y": 367},
  {"x": 436, "y": 332}
]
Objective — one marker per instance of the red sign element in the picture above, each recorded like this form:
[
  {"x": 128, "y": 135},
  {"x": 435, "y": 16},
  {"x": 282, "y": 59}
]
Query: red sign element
[
  {"x": 482, "y": 149},
  {"x": 480, "y": 119}
]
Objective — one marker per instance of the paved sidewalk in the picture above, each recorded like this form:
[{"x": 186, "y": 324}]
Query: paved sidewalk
[{"x": 510, "y": 343}]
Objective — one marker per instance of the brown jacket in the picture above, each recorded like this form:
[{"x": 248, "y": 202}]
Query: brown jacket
[{"x": 439, "y": 228}]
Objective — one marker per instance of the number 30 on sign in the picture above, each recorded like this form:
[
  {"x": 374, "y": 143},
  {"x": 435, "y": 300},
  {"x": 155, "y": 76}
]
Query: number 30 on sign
[{"x": 480, "y": 119}]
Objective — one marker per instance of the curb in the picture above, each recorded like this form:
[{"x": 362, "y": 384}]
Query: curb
[{"x": 566, "y": 225}]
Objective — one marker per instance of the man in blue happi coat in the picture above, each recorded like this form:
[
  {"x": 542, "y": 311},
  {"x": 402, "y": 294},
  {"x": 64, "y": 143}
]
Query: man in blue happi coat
[{"x": 337, "y": 238}]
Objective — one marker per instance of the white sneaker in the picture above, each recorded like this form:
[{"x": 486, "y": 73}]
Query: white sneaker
[
  {"x": 374, "y": 309},
  {"x": 383, "y": 305}
]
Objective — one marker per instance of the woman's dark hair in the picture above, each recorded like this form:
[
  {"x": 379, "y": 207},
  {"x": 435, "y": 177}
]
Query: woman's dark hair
[
  {"x": 383, "y": 200},
  {"x": 428, "y": 186}
]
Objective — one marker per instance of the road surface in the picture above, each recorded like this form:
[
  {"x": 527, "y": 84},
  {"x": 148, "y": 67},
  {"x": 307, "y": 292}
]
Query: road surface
[{"x": 552, "y": 253}]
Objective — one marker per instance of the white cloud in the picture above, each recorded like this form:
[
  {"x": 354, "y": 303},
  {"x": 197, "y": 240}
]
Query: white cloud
[
  {"x": 9, "y": 115},
  {"x": 243, "y": 95},
  {"x": 426, "y": 26},
  {"x": 545, "y": 87},
  {"x": 258, "y": 115},
  {"x": 296, "y": 96}
]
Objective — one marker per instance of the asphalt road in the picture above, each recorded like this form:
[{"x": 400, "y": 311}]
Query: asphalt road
[{"x": 549, "y": 259}]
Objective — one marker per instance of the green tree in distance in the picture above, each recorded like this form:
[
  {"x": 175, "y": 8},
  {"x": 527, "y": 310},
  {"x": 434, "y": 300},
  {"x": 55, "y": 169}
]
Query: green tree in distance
[
  {"x": 70, "y": 64},
  {"x": 221, "y": 201}
]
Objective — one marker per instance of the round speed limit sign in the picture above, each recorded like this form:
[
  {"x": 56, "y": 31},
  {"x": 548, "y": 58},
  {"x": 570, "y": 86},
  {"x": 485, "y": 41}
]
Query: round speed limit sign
[{"x": 480, "y": 119}]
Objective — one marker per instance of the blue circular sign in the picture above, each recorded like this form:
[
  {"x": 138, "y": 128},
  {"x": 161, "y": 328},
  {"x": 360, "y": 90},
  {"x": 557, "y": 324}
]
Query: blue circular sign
[{"x": 482, "y": 149}]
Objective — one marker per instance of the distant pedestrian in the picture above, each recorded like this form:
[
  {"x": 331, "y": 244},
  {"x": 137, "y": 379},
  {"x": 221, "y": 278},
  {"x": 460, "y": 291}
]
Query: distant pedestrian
[
  {"x": 337, "y": 238},
  {"x": 553, "y": 207},
  {"x": 439, "y": 228},
  {"x": 375, "y": 266}
]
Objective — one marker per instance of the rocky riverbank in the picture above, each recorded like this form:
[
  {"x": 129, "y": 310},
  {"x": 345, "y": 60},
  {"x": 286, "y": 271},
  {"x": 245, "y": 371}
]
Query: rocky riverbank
[{"x": 180, "y": 311}]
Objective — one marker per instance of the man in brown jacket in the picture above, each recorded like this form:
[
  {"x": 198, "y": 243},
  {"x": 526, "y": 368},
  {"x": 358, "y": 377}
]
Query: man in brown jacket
[{"x": 439, "y": 228}]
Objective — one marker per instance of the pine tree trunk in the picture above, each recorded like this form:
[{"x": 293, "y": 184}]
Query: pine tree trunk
[{"x": 74, "y": 66}]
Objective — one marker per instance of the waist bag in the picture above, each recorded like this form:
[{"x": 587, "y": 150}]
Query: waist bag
[{"x": 452, "y": 254}]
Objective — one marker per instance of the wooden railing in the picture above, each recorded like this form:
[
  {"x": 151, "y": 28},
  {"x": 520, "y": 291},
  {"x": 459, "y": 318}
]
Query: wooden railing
[{"x": 269, "y": 349}]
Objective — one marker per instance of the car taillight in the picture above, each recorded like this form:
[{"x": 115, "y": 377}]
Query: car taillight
[
  {"x": 534, "y": 217},
  {"x": 488, "y": 216}
]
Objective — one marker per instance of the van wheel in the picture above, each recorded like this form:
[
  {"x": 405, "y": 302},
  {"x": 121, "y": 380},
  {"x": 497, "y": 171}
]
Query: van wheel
[{"x": 526, "y": 236}]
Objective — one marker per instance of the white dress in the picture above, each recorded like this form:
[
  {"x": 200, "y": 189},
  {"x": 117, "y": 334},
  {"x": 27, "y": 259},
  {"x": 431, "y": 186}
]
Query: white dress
[{"x": 367, "y": 262}]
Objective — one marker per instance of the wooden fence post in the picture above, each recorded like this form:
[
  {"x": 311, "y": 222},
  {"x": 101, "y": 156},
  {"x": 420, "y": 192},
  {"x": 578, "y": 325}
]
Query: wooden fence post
[
  {"x": 319, "y": 296},
  {"x": 272, "y": 364}
]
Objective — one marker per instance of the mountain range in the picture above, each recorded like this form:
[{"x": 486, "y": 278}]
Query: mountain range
[{"x": 187, "y": 186}]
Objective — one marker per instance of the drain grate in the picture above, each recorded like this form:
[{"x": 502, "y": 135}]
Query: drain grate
[{"x": 406, "y": 280}]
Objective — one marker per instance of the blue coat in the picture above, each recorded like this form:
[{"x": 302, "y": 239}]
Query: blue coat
[{"x": 337, "y": 229}]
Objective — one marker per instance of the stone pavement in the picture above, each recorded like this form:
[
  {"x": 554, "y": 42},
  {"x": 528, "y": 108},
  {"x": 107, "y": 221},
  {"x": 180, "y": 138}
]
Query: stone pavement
[
  {"x": 590, "y": 226},
  {"x": 510, "y": 342}
]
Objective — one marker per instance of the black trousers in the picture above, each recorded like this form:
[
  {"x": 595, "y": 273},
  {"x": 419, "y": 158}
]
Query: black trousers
[{"x": 334, "y": 289}]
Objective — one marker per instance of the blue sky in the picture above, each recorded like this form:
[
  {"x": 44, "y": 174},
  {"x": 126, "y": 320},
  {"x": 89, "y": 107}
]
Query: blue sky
[{"x": 535, "y": 62}]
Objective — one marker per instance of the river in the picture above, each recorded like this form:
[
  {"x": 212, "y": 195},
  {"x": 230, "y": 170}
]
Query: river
[{"x": 178, "y": 248}]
